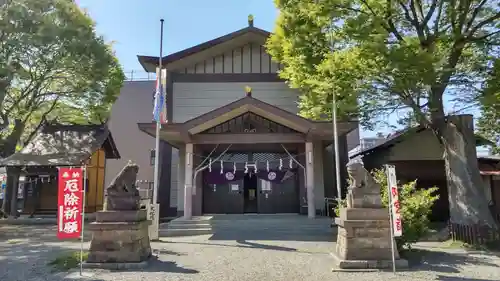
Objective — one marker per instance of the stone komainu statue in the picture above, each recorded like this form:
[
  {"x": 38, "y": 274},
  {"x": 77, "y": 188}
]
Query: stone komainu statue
[
  {"x": 122, "y": 194},
  {"x": 364, "y": 192}
]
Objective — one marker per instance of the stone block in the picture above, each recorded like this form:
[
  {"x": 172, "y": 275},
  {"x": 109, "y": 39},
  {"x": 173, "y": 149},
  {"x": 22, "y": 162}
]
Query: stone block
[
  {"x": 351, "y": 224},
  {"x": 122, "y": 201},
  {"x": 364, "y": 243},
  {"x": 365, "y": 198},
  {"x": 121, "y": 216},
  {"x": 341, "y": 263},
  {"x": 364, "y": 214},
  {"x": 96, "y": 226},
  {"x": 119, "y": 242}
]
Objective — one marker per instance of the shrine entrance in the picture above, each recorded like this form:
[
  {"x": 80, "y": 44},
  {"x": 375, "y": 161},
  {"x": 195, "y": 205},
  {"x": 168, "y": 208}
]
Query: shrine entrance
[
  {"x": 252, "y": 182},
  {"x": 221, "y": 151},
  {"x": 250, "y": 194}
]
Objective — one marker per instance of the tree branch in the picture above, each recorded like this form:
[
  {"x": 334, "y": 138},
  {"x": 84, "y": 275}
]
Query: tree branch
[
  {"x": 483, "y": 23},
  {"x": 474, "y": 14},
  {"x": 453, "y": 16},
  {"x": 429, "y": 14},
  {"x": 414, "y": 21},
  {"x": 43, "y": 121},
  {"x": 464, "y": 7},
  {"x": 438, "y": 18},
  {"x": 475, "y": 39},
  {"x": 392, "y": 28}
]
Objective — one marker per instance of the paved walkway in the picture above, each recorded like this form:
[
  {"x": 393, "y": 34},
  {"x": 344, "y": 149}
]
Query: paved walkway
[{"x": 250, "y": 254}]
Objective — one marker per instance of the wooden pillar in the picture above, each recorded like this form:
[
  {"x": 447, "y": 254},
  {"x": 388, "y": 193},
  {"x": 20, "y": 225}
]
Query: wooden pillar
[
  {"x": 188, "y": 182},
  {"x": 311, "y": 209}
]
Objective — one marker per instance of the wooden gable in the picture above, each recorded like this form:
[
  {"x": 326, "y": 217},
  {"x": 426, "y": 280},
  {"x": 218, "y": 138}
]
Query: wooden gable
[
  {"x": 249, "y": 123},
  {"x": 248, "y": 58}
]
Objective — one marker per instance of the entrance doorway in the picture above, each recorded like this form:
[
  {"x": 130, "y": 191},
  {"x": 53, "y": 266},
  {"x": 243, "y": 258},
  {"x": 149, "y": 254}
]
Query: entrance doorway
[{"x": 250, "y": 193}]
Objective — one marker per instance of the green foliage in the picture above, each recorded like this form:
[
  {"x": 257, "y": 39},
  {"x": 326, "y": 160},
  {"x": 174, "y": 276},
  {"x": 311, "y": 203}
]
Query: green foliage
[
  {"x": 387, "y": 56},
  {"x": 416, "y": 206},
  {"x": 67, "y": 261},
  {"x": 53, "y": 66},
  {"x": 489, "y": 121},
  {"x": 343, "y": 204}
]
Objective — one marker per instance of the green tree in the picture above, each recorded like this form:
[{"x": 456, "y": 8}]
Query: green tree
[
  {"x": 389, "y": 56},
  {"x": 489, "y": 122},
  {"x": 53, "y": 66}
]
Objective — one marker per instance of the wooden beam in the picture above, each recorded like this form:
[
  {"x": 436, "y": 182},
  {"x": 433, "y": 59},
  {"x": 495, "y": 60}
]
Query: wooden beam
[{"x": 248, "y": 138}]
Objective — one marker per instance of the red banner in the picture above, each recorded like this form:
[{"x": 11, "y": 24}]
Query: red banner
[{"x": 69, "y": 203}]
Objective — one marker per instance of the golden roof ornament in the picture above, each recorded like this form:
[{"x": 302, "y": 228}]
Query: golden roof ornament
[
  {"x": 250, "y": 20},
  {"x": 248, "y": 91}
]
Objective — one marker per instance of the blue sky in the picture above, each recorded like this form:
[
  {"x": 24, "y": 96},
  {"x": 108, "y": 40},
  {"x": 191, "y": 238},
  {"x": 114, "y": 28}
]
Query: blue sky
[{"x": 134, "y": 25}]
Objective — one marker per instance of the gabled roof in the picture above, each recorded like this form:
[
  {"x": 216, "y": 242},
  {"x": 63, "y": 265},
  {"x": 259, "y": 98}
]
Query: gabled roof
[
  {"x": 64, "y": 145},
  {"x": 249, "y": 104},
  {"x": 403, "y": 135},
  {"x": 149, "y": 63}
]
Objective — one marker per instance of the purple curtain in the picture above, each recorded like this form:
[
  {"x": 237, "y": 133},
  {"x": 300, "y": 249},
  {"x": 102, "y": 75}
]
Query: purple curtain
[
  {"x": 276, "y": 175},
  {"x": 228, "y": 175}
]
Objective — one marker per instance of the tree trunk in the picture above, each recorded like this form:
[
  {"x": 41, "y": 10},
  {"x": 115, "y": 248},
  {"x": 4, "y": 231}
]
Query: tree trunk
[
  {"x": 466, "y": 191},
  {"x": 7, "y": 148}
]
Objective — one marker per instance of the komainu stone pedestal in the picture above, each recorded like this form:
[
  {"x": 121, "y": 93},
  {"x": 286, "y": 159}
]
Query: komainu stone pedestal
[
  {"x": 364, "y": 241},
  {"x": 120, "y": 240},
  {"x": 364, "y": 234}
]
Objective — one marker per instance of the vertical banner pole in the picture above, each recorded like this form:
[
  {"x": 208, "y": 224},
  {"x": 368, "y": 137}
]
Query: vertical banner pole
[
  {"x": 83, "y": 216},
  {"x": 391, "y": 222},
  {"x": 153, "y": 211}
]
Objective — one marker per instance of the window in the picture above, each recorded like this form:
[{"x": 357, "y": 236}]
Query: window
[{"x": 152, "y": 156}]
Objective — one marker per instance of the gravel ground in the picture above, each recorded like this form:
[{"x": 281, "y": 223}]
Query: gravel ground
[{"x": 290, "y": 255}]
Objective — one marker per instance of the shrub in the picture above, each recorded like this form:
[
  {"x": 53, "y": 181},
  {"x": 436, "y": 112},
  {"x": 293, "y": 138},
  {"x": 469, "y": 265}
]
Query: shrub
[{"x": 416, "y": 206}]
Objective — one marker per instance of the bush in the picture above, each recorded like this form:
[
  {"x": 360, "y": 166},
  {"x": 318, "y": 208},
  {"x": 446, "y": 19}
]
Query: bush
[{"x": 416, "y": 206}]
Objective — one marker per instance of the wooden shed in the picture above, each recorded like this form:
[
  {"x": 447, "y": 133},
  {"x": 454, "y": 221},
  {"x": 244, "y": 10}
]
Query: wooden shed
[{"x": 55, "y": 146}]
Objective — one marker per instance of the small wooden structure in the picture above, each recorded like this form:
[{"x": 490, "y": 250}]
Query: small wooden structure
[{"x": 35, "y": 166}]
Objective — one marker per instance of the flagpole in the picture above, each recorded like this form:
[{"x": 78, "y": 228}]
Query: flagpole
[
  {"x": 158, "y": 122},
  {"x": 84, "y": 191},
  {"x": 336, "y": 142}
]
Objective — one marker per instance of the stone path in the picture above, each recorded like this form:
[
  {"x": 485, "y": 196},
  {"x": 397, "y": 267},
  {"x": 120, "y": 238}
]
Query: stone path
[{"x": 246, "y": 256}]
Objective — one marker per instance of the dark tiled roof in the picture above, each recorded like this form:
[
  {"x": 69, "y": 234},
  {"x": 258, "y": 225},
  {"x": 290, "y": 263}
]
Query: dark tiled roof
[{"x": 64, "y": 145}]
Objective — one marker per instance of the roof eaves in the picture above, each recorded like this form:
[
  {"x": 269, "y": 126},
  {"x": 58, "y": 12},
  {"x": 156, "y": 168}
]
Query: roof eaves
[{"x": 146, "y": 61}]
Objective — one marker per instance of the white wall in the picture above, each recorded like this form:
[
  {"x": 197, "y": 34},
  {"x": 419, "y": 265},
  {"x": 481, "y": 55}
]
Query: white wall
[
  {"x": 134, "y": 105},
  {"x": 193, "y": 99}
]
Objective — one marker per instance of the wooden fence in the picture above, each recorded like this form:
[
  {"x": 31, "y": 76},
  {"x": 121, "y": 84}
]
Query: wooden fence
[{"x": 475, "y": 234}]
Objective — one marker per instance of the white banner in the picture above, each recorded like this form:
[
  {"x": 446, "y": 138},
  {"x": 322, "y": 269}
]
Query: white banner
[
  {"x": 394, "y": 205},
  {"x": 154, "y": 217}
]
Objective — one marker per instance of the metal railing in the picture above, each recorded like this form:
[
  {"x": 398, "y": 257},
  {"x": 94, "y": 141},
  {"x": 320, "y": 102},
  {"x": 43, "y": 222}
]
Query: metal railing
[
  {"x": 139, "y": 75},
  {"x": 330, "y": 205}
]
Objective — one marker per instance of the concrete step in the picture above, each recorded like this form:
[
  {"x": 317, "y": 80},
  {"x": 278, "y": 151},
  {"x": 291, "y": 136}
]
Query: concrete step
[
  {"x": 175, "y": 232},
  {"x": 279, "y": 224},
  {"x": 186, "y": 226},
  {"x": 246, "y": 226}
]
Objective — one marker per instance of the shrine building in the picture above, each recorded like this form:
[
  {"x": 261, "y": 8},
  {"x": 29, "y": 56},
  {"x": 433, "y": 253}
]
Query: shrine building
[{"x": 233, "y": 142}]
